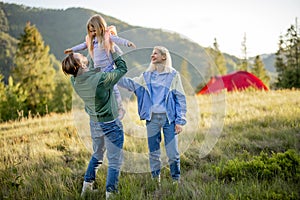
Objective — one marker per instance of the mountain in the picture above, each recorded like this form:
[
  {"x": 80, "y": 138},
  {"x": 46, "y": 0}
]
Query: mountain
[
  {"x": 62, "y": 29},
  {"x": 269, "y": 61}
]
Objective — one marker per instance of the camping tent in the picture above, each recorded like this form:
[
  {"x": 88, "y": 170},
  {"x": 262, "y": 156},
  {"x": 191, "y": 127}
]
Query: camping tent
[{"x": 239, "y": 80}]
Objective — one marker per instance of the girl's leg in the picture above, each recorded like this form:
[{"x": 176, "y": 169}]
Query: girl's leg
[{"x": 121, "y": 109}]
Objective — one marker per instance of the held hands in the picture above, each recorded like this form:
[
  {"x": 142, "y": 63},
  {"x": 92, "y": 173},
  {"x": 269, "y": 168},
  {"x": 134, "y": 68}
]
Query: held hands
[
  {"x": 178, "y": 128},
  {"x": 67, "y": 51}
]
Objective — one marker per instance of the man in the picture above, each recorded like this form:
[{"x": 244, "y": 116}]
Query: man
[{"x": 96, "y": 90}]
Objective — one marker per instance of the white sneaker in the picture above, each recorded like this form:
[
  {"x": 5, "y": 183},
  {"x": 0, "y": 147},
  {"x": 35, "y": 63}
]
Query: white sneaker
[
  {"x": 86, "y": 186},
  {"x": 108, "y": 195},
  {"x": 176, "y": 183},
  {"x": 157, "y": 180}
]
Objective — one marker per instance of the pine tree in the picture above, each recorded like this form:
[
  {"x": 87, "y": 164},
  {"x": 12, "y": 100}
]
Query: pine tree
[
  {"x": 288, "y": 59},
  {"x": 62, "y": 97},
  {"x": 280, "y": 64},
  {"x": 219, "y": 59},
  {"x": 259, "y": 70},
  {"x": 244, "y": 64},
  {"x": 3, "y": 22},
  {"x": 2, "y": 96},
  {"x": 33, "y": 70},
  {"x": 186, "y": 77},
  {"x": 217, "y": 66},
  {"x": 12, "y": 104},
  {"x": 7, "y": 47}
]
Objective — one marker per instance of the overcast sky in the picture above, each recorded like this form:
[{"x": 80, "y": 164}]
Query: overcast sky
[{"x": 200, "y": 21}]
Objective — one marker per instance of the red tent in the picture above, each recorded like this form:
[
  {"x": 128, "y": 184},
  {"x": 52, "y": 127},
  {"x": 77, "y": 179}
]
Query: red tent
[{"x": 239, "y": 80}]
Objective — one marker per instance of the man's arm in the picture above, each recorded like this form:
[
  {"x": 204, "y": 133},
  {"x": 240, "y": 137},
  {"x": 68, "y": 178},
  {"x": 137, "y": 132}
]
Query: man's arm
[{"x": 109, "y": 79}]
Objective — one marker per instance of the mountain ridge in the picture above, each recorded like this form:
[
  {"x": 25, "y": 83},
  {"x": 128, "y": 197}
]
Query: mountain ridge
[{"x": 64, "y": 28}]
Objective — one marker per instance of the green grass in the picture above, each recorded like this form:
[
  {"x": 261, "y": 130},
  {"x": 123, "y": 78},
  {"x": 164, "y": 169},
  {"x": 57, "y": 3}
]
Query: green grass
[{"x": 44, "y": 158}]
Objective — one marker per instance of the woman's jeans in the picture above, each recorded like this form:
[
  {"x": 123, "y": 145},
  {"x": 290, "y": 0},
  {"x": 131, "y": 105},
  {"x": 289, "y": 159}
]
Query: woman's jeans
[
  {"x": 109, "y": 136},
  {"x": 159, "y": 121}
]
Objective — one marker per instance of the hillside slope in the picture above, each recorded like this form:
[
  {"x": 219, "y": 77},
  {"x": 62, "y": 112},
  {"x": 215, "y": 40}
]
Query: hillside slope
[{"x": 62, "y": 29}]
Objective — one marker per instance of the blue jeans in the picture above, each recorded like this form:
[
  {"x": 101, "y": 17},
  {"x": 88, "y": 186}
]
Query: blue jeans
[
  {"x": 109, "y": 136},
  {"x": 154, "y": 126}
]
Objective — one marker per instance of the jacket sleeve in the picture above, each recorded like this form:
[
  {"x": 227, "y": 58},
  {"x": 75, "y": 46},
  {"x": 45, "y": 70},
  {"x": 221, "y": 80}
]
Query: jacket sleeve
[
  {"x": 109, "y": 79},
  {"x": 180, "y": 101},
  {"x": 131, "y": 84}
]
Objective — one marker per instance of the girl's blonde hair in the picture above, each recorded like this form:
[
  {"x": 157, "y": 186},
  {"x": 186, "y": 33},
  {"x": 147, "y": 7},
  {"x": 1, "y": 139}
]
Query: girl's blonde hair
[
  {"x": 102, "y": 33},
  {"x": 168, "y": 62}
]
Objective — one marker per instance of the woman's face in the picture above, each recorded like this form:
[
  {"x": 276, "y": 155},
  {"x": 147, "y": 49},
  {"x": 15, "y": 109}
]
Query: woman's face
[{"x": 157, "y": 57}]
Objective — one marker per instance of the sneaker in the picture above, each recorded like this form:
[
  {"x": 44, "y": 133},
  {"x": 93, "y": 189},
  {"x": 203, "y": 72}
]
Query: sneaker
[
  {"x": 108, "y": 195},
  {"x": 157, "y": 180},
  {"x": 87, "y": 186},
  {"x": 176, "y": 183},
  {"x": 121, "y": 112}
]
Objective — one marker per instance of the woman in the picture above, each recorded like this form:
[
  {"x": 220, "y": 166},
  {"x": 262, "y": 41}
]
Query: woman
[{"x": 162, "y": 103}]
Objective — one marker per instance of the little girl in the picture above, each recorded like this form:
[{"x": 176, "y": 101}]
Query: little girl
[{"x": 98, "y": 42}]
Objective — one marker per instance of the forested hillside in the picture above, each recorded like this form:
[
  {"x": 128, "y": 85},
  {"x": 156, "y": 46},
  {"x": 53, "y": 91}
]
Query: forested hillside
[{"x": 61, "y": 29}]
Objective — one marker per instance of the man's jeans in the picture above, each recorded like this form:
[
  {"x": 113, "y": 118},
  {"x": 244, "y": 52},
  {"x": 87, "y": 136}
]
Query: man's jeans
[
  {"x": 107, "y": 135},
  {"x": 158, "y": 122}
]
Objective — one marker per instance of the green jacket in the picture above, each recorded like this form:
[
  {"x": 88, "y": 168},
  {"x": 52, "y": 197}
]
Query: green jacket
[{"x": 96, "y": 90}]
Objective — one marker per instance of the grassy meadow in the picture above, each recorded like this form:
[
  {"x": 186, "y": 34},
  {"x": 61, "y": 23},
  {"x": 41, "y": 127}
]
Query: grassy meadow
[{"x": 235, "y": 146}]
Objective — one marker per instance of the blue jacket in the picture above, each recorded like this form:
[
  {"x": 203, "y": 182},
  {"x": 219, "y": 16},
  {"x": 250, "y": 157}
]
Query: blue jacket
[{"x": 175, "y": 102}]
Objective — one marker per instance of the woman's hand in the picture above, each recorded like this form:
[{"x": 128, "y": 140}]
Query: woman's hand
[{"x": 178, "y": 128}]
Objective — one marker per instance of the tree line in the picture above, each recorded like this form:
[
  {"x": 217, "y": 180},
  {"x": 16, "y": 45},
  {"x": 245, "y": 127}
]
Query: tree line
[
  {"x": 288, "y": 58},
  {"x": 287, "y": 62},
  {"x": 256, "y": 67},
  {"x": 37, "y": 85}
]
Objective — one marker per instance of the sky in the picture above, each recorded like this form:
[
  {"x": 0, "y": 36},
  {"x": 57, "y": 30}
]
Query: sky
[{"x": 261, "y": 21}]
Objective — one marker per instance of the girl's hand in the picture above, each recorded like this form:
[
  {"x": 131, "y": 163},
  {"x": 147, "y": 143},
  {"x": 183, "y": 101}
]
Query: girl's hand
[
  {"x": 131, "y": 44},
  {"x": 67, "y": 51}
]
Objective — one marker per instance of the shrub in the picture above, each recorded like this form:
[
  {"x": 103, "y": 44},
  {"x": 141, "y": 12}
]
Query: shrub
[{"x": 264, "y": 167}]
